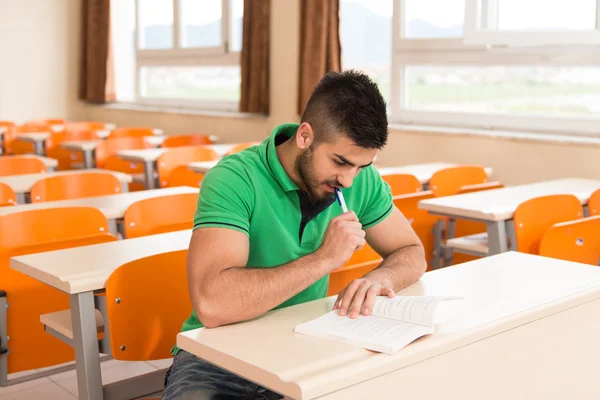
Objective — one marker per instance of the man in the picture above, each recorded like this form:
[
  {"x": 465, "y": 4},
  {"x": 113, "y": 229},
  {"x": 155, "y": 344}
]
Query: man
[{"x": 268, "y": 231}]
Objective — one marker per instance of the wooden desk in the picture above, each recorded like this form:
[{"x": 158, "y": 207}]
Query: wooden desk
[
  {"x": 112, "y": 206},
  {"x": 22, "y": 184},
  {"x": 423, "y": 172},
  {"x": 149, "y": 157},
  {"x": 496, "y": 207},
  {"x": 81, "y": 270},
  {"x": 37, "y": 138},
  {"x": 528, "y": 330},
  {"x": 202, "y": 167}
]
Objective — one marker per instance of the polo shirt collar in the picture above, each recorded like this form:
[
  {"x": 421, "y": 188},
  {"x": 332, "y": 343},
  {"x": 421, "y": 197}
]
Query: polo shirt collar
[{"x": 273, "y": 162}]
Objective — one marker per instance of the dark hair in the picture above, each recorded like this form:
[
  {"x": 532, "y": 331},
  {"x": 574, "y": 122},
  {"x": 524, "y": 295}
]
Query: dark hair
[{"x": 350, "y": 103}]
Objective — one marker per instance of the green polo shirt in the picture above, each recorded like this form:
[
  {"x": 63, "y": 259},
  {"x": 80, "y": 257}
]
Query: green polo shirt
[{"x": 250, "y": 192}]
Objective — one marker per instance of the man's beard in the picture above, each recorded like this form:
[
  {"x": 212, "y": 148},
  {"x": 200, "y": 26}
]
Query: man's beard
[{"x": 304, "y": 169}]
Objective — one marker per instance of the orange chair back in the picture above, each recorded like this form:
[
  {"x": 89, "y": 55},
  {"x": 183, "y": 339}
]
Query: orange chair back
[
  {"x": 534, "y": 217},
  {"x": 10, "y": 130},
  {"x": 8, "y": 197},
  {"x": 75, "y": 186},
  {"x": 175, "y": 157},
  {"x": 18, "y": 165},
  {"x": 65, "y": 157},
  {"x": 241, "y": 146},
  {"x": 160, "y": 214},
  {"x": 37, "y": 231},
  {"x": 448, "y": 181},
  {"x": 145, "y": 310},
  {"x": 88, "y": 126},
  {"x": 111, "y": 147},
  {"x": 132, "y": 132},
  {"x": 186, "y": 140},
  {"x": 420, "y": 220},
  {"x": 577, "y": 241},
  {"x": 594, "y": 203},
  {"x": 183, "y": 176},
  {"x": 361, "y": 262},
  {"x": 402, "y": 183}
]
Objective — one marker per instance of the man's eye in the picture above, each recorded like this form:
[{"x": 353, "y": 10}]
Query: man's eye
[{"x": 339, "y": 162}]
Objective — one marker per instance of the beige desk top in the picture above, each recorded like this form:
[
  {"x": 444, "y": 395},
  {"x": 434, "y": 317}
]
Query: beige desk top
[
  {"x": 49, "y": 162},
  {"x": 24, "y": 183},
  {"x": 87, "y": 268},
  {"x": 80, "y": 145},
  {"x": 423, "y": 172},
  {"x": 202, "y": 166},
  {"x": 112, "y": 206},
  {"x": 33, "y": 136},
  {"x": 500, "y": 204},
  {"x": 503, "y": 292},
  {"x": 151, "y": 155}
]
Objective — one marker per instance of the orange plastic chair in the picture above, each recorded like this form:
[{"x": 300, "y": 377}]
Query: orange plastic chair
[
  {"x": 361, "y": 262},
  {"x": 594, "y": 203},
  {"x": 8, "y": 197},
  {"x": 111, "y": 146},
  {"x": 55, "y": 124},
  {"x": 448, "y": 181},
  {"x": 75, "y": 186},
  {"x": 534, "y": 217},
  {"x": 66, "y": 159},
  {"x": 144, "y": 309},
  {"x": 421, "y": 221},
  {"x": 18, "y": 165},
  {"x": 186, "y": 140},
  {"x": 175, "y": 157},
  {"x": 577, "y": 241},
  {"x": 183, "y": 176},
  {"x": 34, "y": 231},
  {"x": 160, "y": 214},
  {"x": 88, "y": 126},
  {"x": 132, "y": 132},
  {"x": 402, "y": 183},
  {"x": 10, "y": 130},
  {"x": 241, "y": 146}
]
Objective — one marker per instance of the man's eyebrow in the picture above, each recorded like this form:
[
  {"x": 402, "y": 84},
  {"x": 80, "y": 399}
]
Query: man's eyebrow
[{"x": 346, "y": 161}]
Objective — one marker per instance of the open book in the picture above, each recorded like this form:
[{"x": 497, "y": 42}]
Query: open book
[{"x": 393, "y": 323}]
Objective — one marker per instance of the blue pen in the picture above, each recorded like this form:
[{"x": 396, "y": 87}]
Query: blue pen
[{"x": 340, "y": 199}]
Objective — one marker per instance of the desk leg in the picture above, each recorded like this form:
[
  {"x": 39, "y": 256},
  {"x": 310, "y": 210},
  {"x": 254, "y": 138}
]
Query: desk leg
[
  {"x": 39, "y": 147},
  {"x": 85, "y": 343},
  {"x": 88, "y": 159},
  {"x": 496, "y": 237},
  {"x": 149, "y": 175},
  {"x": 438, "y": 238}
]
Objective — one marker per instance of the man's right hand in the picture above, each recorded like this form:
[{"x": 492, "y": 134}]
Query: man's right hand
[{"x": 343, "y": 237}]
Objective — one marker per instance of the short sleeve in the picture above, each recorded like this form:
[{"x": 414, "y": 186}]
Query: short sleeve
[
  {"x": 378, "y": 199},
  {"x": 226, "y": 199}
]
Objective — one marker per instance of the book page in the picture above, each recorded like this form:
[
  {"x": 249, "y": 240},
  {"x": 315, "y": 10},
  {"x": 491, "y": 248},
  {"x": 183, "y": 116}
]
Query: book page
[
  {"x": 414, "y": 309},
  {"x": 371, "y": 332}
]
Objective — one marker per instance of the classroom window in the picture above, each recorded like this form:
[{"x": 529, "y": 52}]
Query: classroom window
[
  {"x": 457, "y": 63},
  {"x": 178, "y": 52}
]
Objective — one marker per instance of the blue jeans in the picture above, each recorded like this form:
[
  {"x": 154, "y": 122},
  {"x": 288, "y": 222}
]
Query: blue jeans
[{"x": 192, "y": 378}]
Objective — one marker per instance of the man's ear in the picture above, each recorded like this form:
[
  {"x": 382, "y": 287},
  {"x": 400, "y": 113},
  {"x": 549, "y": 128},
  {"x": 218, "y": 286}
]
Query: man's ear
[{"x": 305, "y": 136}]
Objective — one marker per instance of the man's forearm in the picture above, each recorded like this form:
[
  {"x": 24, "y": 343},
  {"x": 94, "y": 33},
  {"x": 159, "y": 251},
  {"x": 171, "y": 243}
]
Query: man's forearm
[
  {"x": 400, "y": 269},
  {"x": 242, "y": 293}
]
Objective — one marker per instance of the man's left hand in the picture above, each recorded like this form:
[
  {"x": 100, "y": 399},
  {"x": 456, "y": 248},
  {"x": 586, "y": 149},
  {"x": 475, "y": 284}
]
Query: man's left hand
[{"x": 359, "y": 297}]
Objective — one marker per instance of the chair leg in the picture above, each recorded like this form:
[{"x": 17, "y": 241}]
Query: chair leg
[{"x": 3, "y": 340}]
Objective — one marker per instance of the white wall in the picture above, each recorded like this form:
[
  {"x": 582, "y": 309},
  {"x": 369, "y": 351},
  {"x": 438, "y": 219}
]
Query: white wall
[{"x": 39, "y": 59}]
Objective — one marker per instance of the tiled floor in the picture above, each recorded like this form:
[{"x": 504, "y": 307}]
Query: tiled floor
[{"x": 64, "y": 385}]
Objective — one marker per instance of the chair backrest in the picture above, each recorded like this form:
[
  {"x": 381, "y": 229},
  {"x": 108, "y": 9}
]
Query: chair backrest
[
  {"x": 448, "y": 181},
  {"x": 8, "y": 197},
  {"x": 402, "y": 183},
  {"x": 420, "y": 220},
  {"x": 534, "y": 217},
  {"x": 186, "y": 140},
  {"x": 66, "y": 157},
  {"x": 183, "y": 176},
  {"x": 241, "y": 146},
  {"x": 577, "y": 241},
  {"x": 37, "y": 231},
  {"x": 181, "y": 156},
  {"x": 75, "y": 186},
  {"x": 21, "y": 165},
  {"x": 88, "y": 126},
  {"x": 145, "y": 310},
  {"x": 112, "y": 146},
  {"x": 594, "y": 203},
  {"x": 160, "y": 214},
  {"x": 10, "y": 130},
  {"x": 132, "y": 132}
]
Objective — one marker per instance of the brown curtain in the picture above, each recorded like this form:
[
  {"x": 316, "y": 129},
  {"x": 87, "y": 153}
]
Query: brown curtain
[
  {"x": 255, "y": 57},
  {"x": 97, "y": 71},
  {"x": 320, "y": 48}
]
